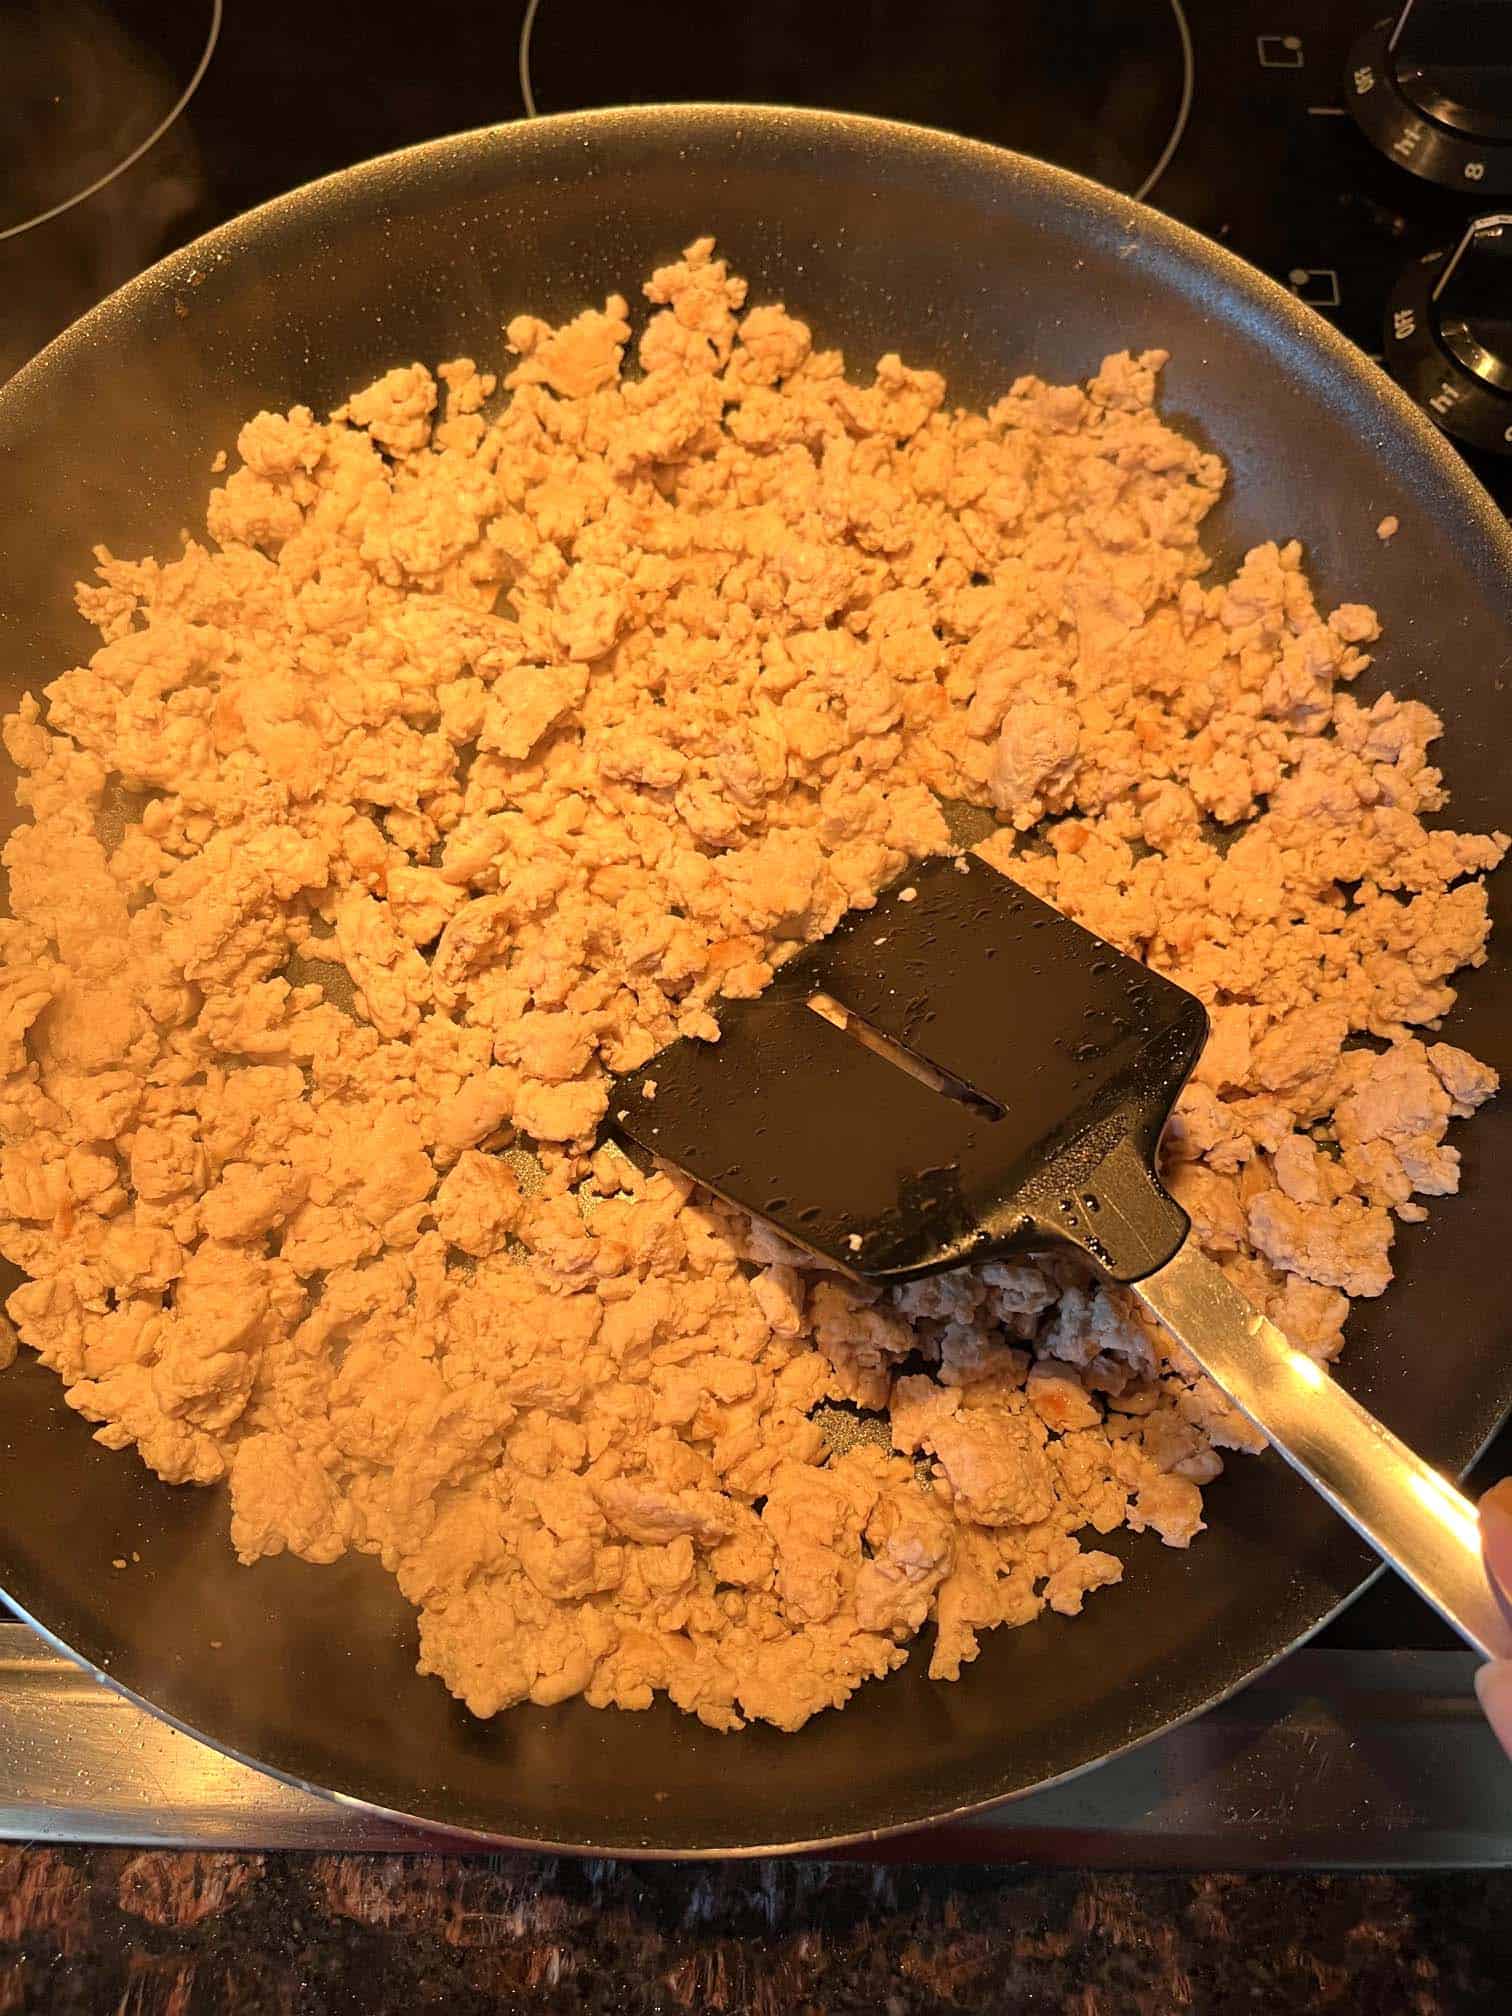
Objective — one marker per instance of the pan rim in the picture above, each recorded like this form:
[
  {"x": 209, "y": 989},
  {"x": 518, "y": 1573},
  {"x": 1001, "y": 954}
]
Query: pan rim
[
  {"x": 818, "y": 1845},
  {"x": 1237, "y": 274},
  {"x": 1323, "y": 345}
]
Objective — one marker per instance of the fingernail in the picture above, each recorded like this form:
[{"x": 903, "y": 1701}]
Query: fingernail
[
  {"x": 1496, "y": 1509},
  {"x": 1493, "y": 1684},
  {"x": 1496, "y": 1529}
]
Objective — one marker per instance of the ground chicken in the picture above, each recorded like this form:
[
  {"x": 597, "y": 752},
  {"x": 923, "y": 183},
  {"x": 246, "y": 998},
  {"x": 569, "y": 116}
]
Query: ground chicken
[{"x": 486, "y": 745}]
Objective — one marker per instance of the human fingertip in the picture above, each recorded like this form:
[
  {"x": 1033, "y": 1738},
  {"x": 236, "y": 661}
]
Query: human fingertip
[
  {"x": 1493, "y": 1683},
  {"x": 1496, "y": 1529}
]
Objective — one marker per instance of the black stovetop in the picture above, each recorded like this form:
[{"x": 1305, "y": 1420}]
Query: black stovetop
[
  {"x": 1265, "y": 156},
  {"x": 1229, "y": 114}
]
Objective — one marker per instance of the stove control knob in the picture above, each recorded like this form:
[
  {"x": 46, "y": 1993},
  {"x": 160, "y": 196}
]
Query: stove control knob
[
  {"x": 1448, "y": 338},
  {"x": 1432, "y": 87}
]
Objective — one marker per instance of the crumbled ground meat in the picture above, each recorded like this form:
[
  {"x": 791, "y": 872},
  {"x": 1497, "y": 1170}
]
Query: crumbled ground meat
[{"x": 481, "y": 752}]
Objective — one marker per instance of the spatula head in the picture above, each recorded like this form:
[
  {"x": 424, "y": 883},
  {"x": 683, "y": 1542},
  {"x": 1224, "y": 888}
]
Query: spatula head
[{"x": 1054, "y": 1060}]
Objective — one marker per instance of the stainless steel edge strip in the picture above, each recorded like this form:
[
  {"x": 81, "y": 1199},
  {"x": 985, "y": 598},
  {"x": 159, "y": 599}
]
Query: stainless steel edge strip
[{"x": 1333, "y": 1760}]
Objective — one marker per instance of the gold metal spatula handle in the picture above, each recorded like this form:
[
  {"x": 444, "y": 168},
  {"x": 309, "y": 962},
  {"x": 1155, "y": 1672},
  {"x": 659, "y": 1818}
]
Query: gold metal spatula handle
[{"x": 1411, "y": 1515}]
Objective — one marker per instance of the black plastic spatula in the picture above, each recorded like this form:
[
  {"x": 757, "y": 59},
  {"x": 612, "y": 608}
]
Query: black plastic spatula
[
  {"x": 1062, "y": 1058},
  {"x": 961, "y": 1073}
]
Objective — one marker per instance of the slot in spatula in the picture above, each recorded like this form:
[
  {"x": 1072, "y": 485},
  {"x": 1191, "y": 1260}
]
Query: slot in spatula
[{"x": 963, "y": 1073}]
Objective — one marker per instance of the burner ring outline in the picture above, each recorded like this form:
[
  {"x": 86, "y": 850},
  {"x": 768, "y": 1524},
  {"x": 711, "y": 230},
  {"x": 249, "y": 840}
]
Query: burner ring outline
[{"x": 217, "y": 9}]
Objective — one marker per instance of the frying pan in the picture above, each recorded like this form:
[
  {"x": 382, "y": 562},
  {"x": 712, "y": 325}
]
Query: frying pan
[{"x": 984, "y": 264}]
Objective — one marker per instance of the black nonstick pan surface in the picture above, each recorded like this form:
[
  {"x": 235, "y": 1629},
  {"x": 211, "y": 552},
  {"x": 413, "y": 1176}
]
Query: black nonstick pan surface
[{"x": 985, "y": 265}]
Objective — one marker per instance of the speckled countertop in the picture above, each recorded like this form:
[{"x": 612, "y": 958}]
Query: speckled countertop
[{"x": 116, "y": 1932}]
